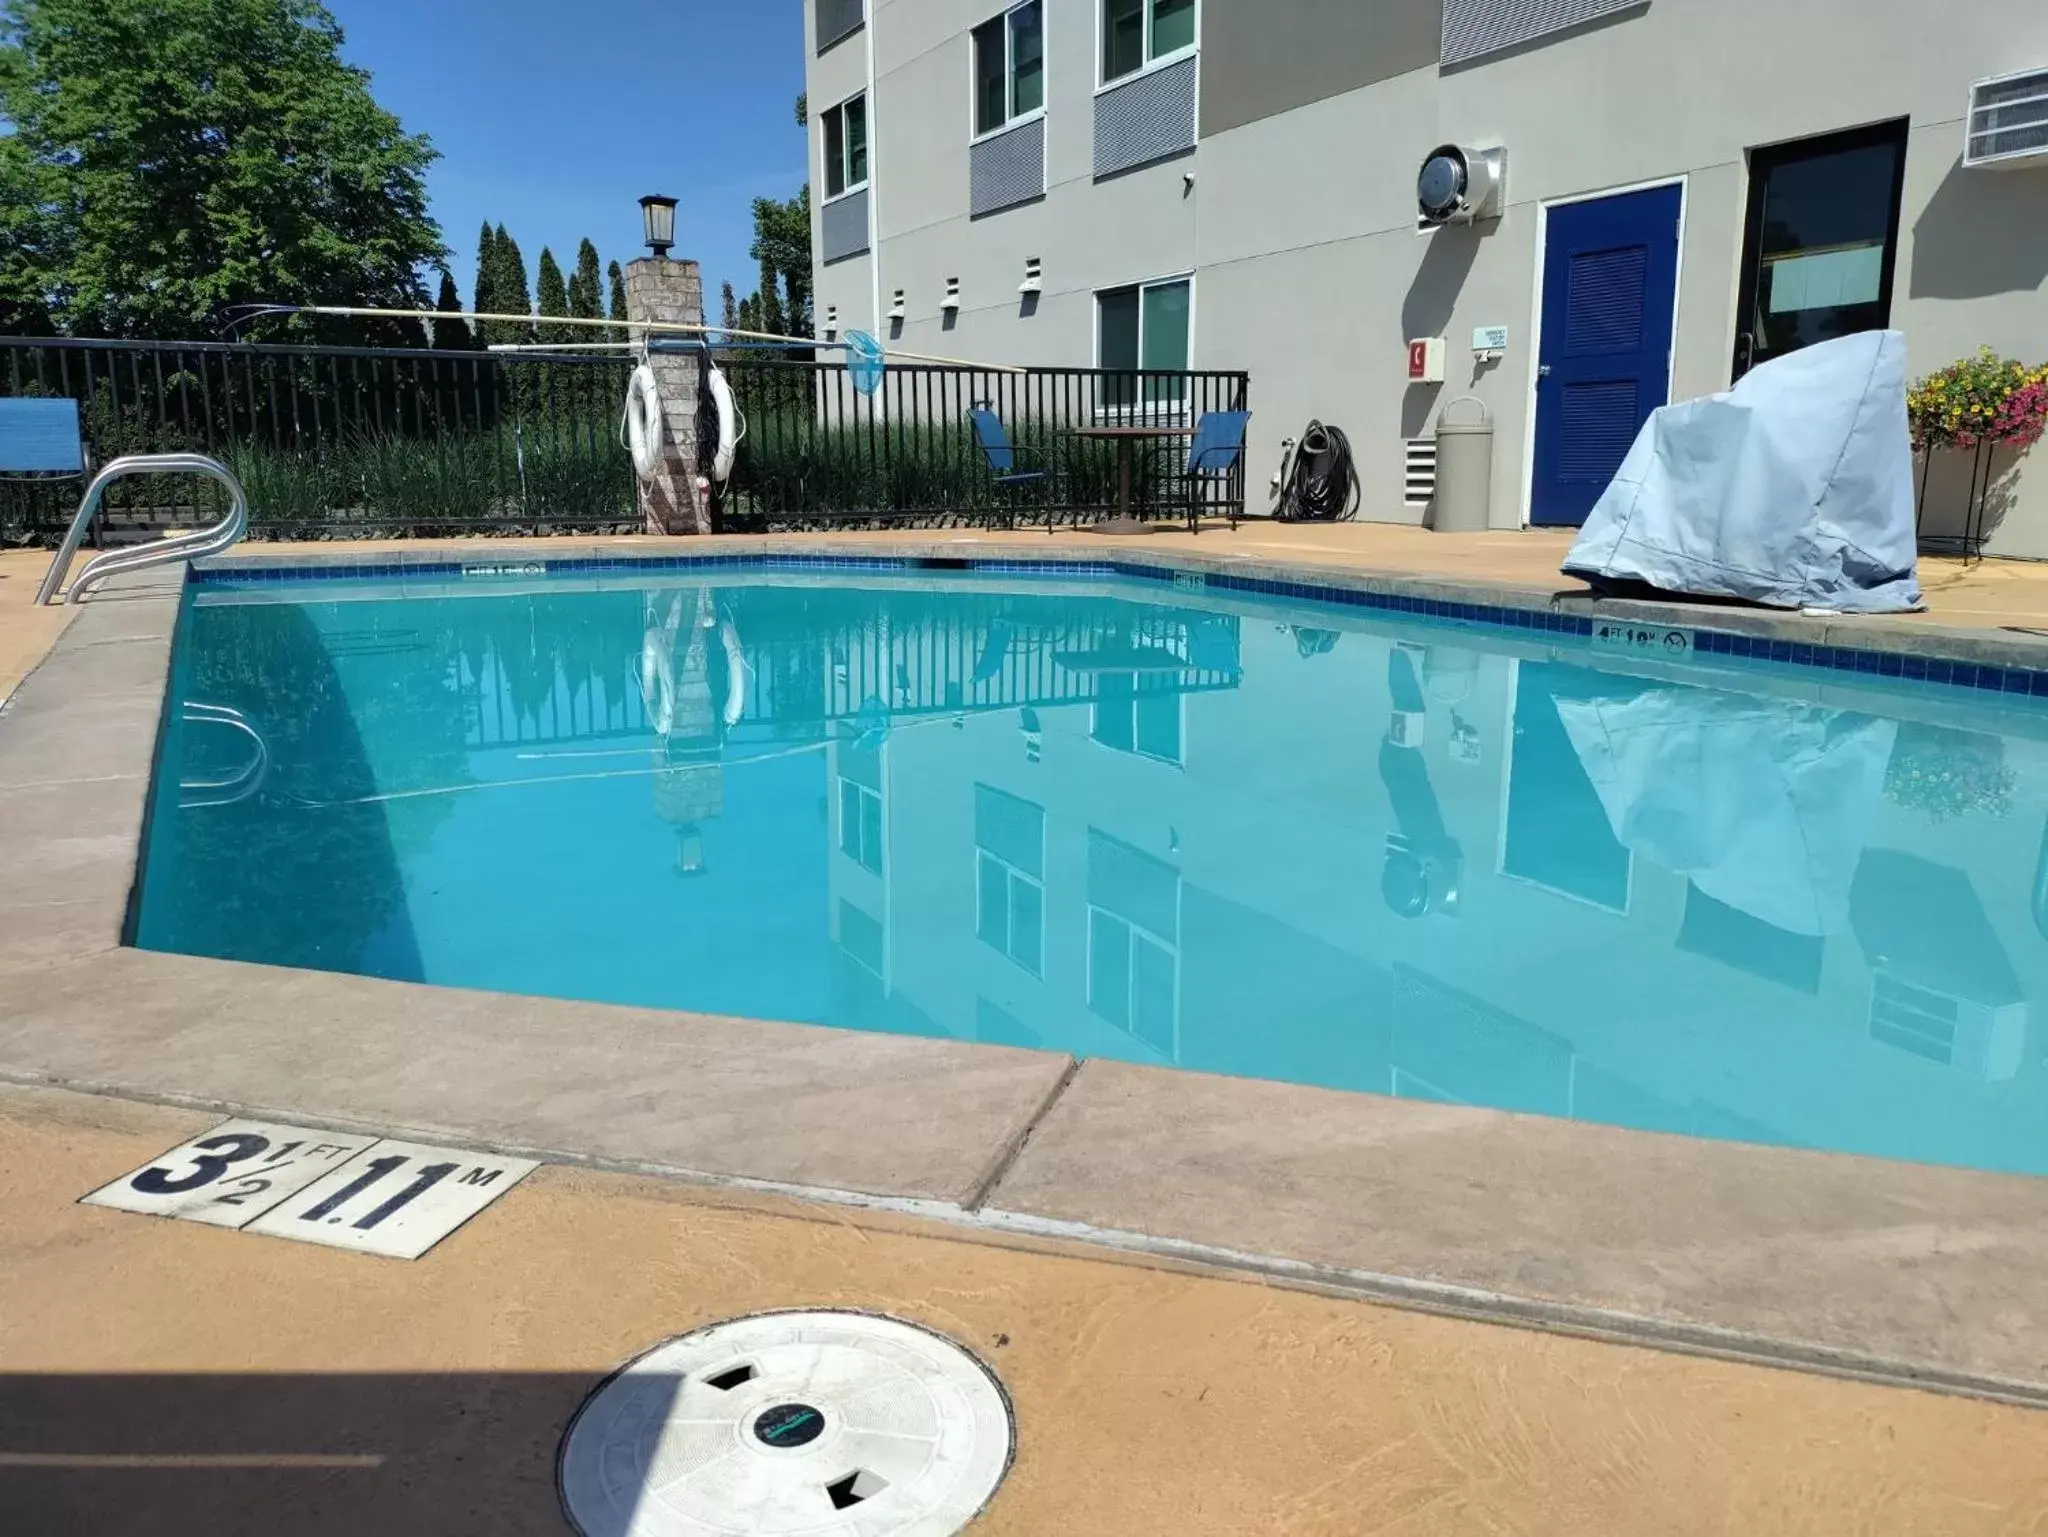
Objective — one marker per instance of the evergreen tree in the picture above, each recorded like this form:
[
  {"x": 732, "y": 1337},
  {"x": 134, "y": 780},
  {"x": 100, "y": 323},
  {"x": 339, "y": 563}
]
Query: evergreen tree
[
  {"x": 513, "y": 296},
  {"x": 554, "y": 299},
  {"x": 484, "y": 296},
  {"x": 454, "y": 333},
  {"x": 586, "y": 285},
  {"x": 730, "y": 308},
  {"x": 618, "y": 282}
]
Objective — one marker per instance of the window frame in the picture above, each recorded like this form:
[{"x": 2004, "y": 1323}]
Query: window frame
[
  {"x": 976, "y": 134},
  {"x": 859, "y": 827},
  {"x": 838, "y": 110},
  {"x": 1135, "y": 933},
  {"x": 1133, "y": 704},
  {"x": 1140, "y": 406},
  {"x": 1153, "y": 62},
  {"x": 1012, "y": 877}
]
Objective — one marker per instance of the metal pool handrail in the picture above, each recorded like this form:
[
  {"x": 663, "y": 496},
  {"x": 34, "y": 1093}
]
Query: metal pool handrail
[
  {"x": 186, "y": 546},
  {"x": 238, "y": 786}
]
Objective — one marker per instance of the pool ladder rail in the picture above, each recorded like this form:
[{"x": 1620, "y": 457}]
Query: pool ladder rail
[{"x": 191, "y": 545}]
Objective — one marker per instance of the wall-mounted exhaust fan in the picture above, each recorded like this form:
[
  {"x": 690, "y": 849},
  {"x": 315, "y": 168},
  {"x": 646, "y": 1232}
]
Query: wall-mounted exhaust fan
[{"x": 1461, "y": 185}]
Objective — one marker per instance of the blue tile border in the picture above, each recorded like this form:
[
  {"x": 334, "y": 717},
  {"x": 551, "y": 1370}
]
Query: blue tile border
[{"x": 1900, "y": 666}]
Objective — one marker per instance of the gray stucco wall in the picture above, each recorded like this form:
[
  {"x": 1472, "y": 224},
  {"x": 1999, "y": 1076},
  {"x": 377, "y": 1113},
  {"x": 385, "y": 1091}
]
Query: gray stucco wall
[
  {"x": 1299, "y": 225},
  {"x": 1264, "y": 57}
]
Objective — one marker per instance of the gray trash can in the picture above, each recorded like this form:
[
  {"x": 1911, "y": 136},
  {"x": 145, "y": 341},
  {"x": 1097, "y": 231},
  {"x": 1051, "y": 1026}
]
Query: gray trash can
[{"x": 1464, "y": 470}]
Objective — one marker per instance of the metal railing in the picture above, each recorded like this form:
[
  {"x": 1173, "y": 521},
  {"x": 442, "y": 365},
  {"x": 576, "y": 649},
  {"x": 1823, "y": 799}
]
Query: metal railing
[
  {"x": 187, "y": 546},
  {"x": 819, "y": 453},
  {"x": 365, "y": 441}
]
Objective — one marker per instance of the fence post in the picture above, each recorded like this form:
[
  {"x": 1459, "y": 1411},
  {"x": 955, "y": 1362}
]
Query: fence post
[{"x": 661, "y": 290}]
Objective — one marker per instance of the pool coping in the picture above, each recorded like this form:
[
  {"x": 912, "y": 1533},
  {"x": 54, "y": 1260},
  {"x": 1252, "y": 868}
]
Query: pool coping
[
  {"x": 1874, "y": 645},
  {"x": 1886, "y": 1272}
]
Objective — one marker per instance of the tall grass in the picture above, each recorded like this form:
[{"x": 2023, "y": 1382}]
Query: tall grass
[
  {"x": 793, "y": 467},
  {"x": 561, "y": 476}
]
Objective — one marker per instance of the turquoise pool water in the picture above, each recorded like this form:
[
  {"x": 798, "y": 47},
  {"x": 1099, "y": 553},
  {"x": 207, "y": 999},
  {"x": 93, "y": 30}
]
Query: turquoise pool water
[{"x": 1450, "y": 862}]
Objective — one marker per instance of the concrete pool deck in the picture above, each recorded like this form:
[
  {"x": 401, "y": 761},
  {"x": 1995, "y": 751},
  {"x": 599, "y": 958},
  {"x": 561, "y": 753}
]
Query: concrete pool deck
[
  {"x": 1853, "y": 1266},
  {"x": 163, "y": 1379}
]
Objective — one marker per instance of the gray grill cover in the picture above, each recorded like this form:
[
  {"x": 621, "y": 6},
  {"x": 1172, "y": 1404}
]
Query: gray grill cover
[{"x": 1794, "y": 489}]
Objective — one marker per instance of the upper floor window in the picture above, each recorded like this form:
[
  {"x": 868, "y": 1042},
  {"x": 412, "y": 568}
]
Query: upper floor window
[
  {"x": 1136, "y": 33},
  {"x": 846, "y": 146},
  {"x": 838, "y": 19},
  {"x": 1009, "y": 67}
]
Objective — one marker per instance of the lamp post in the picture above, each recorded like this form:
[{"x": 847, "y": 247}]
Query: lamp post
[{"x": 658, "y": 222}]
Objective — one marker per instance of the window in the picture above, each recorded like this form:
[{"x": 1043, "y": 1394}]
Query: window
[
  {"x": 860, "y": 825},
  {"x": 1009, "y": 67},
  {"x": 1146, "y": 724},
  {"x": 1134, "y": 943},
  {"x": 1144, "y": 328},
  {"x": 1140, "y": 32},
  {"x": 846, "y": 147},
  {"x": 1009, "y": 877}
]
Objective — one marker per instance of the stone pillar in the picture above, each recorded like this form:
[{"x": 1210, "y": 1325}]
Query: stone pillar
[{"x": 659, "y": 289}]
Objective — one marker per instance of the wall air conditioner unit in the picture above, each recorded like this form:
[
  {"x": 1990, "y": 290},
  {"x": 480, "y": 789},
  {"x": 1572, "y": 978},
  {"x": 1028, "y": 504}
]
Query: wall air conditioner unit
[
  {"x": 1462, "y": 184},
  {"x": 2008, "y": 123}
]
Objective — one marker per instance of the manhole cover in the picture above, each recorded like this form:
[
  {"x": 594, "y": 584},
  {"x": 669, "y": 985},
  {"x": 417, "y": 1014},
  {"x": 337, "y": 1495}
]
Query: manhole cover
[{"x": 824, "y": 1424}]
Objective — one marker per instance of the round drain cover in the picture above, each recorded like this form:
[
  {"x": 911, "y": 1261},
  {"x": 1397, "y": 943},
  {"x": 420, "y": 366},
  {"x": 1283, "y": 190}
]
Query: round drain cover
[{"x": 825, "y": 1424}]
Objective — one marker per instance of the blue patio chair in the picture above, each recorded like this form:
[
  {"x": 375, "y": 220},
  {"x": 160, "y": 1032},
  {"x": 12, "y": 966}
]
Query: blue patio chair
[
  {"x": 1214, "y": 457},
  {"x": 1004, "y": 467},
  {"x": 40, "y": 437}
]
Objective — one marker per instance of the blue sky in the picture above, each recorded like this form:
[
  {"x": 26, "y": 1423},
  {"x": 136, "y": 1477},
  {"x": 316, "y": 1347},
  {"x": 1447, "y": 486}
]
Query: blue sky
[{"x": 553, "y": 119}]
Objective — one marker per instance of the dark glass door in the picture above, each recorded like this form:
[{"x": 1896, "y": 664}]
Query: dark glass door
[{"x": 1821, "y": 242}]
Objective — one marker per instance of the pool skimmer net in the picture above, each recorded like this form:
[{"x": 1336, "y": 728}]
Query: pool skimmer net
[{"x": 828, "y": 1424}]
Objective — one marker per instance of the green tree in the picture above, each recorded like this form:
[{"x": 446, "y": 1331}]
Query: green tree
[
  {"x": 554, "y": 299},
  {"x": 729, "y": 307},
  {"x": 484, "y": 296},
  {"x": 452, "y": 333},
  {"x": 782, "y": 245},
  {"x": 586, "y": 286},
  {"x": 512, "y": 297},
  {"x": 618, "y": 282},
  {"x": 171, "y": 158}
]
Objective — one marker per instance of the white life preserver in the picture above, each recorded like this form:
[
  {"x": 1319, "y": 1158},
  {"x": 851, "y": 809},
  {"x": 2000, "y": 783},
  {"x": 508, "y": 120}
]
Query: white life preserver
[
  {"x": 732, "y": 427},
  {"x": 641, "y": 428}
]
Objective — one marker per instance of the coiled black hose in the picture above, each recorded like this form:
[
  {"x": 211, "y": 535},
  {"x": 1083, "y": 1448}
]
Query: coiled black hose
[{"x": 1318, "y": 483}]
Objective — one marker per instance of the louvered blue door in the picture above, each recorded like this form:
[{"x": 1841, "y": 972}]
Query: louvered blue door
[{"x": 1610, "y": 281}]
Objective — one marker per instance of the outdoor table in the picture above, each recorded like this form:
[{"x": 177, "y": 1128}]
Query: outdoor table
[{"x": 1126, "y": 440}]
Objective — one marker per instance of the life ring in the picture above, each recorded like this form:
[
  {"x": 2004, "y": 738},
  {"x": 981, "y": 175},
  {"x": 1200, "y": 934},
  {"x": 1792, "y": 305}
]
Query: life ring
[
  {"x": 732, "y": 427},
  {"x": 658, "y": 669},
  {"x": 642, "y": 425}
]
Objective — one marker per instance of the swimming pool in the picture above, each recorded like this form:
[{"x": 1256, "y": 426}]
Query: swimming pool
[{"x": 1155, "y": 821}]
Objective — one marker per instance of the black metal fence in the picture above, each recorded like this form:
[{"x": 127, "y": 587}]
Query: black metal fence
[
  {"x": 337, "y": 440},
  {"x": 357, "y": 441},
  {"x": 817, "y": 452}
]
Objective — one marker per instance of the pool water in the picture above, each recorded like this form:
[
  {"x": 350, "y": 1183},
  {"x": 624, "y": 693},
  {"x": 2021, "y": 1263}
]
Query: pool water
[{"x": 1310, "y": 843}]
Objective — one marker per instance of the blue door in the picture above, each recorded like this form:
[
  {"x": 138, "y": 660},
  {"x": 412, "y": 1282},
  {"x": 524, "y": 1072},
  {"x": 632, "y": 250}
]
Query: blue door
[{"x": 1610, "y": 281}]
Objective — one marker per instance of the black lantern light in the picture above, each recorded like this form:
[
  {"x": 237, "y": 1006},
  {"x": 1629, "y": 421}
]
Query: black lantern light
[{"x": 658, "y": 220}]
